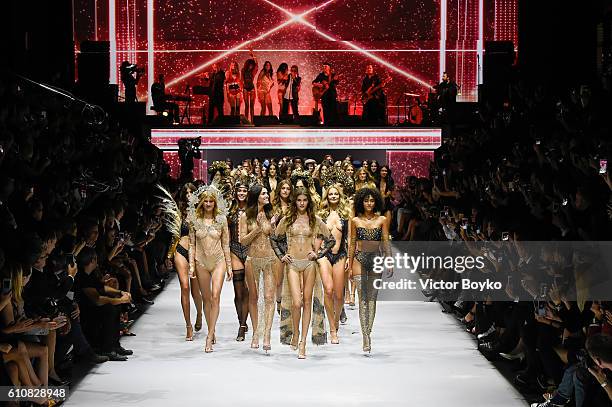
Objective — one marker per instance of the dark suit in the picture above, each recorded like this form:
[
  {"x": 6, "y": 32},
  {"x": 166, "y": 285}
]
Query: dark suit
[
  {"x": 295, "y": 84},
  {"x": 329, "y": 99}
]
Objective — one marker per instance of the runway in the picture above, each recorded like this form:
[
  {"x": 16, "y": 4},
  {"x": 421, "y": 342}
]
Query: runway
[{"x": 419, "y": 357}]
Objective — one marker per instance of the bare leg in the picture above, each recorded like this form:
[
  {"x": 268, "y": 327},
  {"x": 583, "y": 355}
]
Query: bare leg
[
  {"x": 295, "y": 286},
  {"x": 182, "y": 269},
  {"x": 41, "y": 353},
  {"x": 218, "y": 275},
  {"x": 338, "y": 276},
  {"x": 50, "y": 340},
  {"x": 204, "y": 282},
  {"x": 325, "y": 270},
  {"x": 309, "y": 279},
  {"x": 278, "y": 275}
]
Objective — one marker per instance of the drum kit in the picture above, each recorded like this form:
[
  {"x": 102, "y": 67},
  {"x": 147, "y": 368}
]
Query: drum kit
[{"x": 414, "y": 112}]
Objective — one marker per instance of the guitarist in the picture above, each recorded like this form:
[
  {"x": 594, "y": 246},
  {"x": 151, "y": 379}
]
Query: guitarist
[
  {"x": 327, "y": 81},
  {"x": 373, "y": 97}
]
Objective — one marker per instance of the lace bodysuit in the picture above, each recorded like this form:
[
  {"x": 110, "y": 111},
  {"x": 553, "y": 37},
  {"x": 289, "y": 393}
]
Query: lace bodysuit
[
  {"x": 301, "y": 240},
  {"x": 260, "y": 252},
  {"x": 335, "y": 258},
  {"x": 209, "y": 244},
  {"x": 233, "y": 221}
]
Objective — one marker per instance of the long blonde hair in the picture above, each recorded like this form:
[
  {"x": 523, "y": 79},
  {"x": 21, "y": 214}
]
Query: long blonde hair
[
  {"x": 200, "y": 207},
  {"x": 369, "y": 181},
  {"x": 14, "y": 271},
  {"x": 343, "y": 206}
]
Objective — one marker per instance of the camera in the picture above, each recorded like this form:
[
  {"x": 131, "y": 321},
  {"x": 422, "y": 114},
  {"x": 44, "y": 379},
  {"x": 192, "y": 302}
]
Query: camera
[{"x": 505, "y": 235}]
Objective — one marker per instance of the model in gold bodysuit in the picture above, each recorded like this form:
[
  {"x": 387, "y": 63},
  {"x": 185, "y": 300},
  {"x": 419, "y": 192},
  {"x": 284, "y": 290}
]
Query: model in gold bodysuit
[
  {"x": 209, "y": 252},
  {"x": 255, "y": 230},
  {"x": 308, "y": 239}
]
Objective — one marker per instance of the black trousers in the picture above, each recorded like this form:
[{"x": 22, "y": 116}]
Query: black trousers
[
  {"x": 330, "y": 111},
  {"x": 101, "y": 326},
  {"x": 294, "y": 107},
  {"x": 218, "y": 103},
  {"x": 374, "y": 112}
]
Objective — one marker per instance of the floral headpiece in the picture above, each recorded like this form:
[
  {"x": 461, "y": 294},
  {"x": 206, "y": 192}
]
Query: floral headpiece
[
  {"x": 219, "y": 166},
  {"x": 195, "y": 202},
  {"x": 335, "y": 175},
  {"x": 304, "y": 175}
]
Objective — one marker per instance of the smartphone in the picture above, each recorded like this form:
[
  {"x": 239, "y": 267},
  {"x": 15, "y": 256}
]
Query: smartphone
[
  {"x": 505, "y": 235},
  {"x": 603, "y": 166},
  {"x": 442, "y": 214},
  {"x": 464, "y": 223},
  {"x": 7, "y": 286},
  {"x": 538, "y": 142},
  {"x": 69, "y": 259},
  {"x": 541, "y": 308},
  {"x": 564, "y": 202}
]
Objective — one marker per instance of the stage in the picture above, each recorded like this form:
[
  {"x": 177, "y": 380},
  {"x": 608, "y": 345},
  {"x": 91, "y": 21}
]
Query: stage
[
  {"x": 407, "y": 150},
  {"x": 420, "y": 357}
]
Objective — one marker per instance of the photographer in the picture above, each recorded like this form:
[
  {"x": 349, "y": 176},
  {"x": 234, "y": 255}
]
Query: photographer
[{"x": 188, "y": 150}]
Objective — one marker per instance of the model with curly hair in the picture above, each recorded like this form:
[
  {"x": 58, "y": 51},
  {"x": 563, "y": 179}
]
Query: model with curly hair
[
  {"x": 238, "y": 253},
  {"x": 209, "y": 251},
  {"x": 368, "y": 238},
  {"x": 308, "y": 239},
  {"x": 255, "y": 231},
  {"x": 335, "y": 213}
]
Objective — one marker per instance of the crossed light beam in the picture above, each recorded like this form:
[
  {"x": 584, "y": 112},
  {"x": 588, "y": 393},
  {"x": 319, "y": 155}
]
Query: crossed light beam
[
  {"x": 293, "y": 19},
  {"x": 381, "y": 61},
  {"x": 299, "y": 18}
]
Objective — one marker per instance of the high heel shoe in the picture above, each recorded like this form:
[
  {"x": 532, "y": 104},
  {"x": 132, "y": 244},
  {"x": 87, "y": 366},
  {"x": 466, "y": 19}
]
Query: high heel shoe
[
  {"x": 367, "y": 344},
  {"x": 208, "y": 348},
  {"x": 255, "y": 342},
  {"x": 241, "y": 333},
  {"x": 266, "y": 345},
  {"x": 198, "y": 324},
  {"x": 278, "y": 307},
  {"x": 334, "y": 337},
  {"x": 294, "y": 346},
  {"x": 189, "y": 335},
  {"x": 214, "y": 339},
  {"x": 352, "y": 300},
  {"x": 302, "y": 351}
]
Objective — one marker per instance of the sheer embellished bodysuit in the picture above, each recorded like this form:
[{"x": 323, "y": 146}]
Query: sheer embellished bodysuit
[{"x": 210, "y": 244}]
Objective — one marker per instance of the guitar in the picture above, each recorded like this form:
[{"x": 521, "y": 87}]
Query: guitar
[
  {"x": 319, "y": 89},
  {"x": 369, "y": 94}
]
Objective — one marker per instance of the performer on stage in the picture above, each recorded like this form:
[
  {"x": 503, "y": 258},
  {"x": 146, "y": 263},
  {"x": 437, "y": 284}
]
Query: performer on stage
[
  {"x": 373, "y": 98},
  {"x": 233, "y": 85},
  {"x": 160, "y": 99},
  {"x": 447, "y": 91},
  {"x": 130, "y": 75},
  {"x": 209, "y": 251},
  {"x": 335, "y": 213},
  {"x": 175, "y": 220},
  {"x": 363, "y": 179},
  {"x": 282, "y": 77},
  {"x": 216, "y": 93},
  {"x": 239, "y": 255},
  {"x": 280, "y": 204},
  {"x": 292, "y": 93},
  {"x": 329, "y": 98},
  {"x": 308, "y": 239},
  {"x": 255, "y": 230},
  {"x": 366, "y": 227},
  {"x": 265, "y": 82},
  {"x": 249, "y": 70}
]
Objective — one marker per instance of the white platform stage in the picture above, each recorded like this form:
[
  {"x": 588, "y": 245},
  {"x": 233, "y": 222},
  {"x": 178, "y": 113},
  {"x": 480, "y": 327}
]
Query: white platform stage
[{"x": 419, "y": 357}]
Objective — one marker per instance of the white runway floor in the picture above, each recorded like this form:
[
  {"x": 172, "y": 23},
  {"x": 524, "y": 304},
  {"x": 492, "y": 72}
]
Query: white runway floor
[{"x": 419, "y": 357}]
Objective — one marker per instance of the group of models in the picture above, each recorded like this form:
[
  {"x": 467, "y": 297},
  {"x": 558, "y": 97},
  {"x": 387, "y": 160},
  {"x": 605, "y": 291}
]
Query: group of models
[{"x": 300, "y": 250}]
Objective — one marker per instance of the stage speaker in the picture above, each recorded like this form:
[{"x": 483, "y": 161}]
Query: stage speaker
[
  {"x": 309, "y": 120},
  {"x": 498, "y": 60},
  {"x": 93, "y": 63},
  {"x": 350, "y": 121},
  {"x": 286, "y": 119},
  {"x": 265, "y": 120},
  {"x": 227, "y": 121}
]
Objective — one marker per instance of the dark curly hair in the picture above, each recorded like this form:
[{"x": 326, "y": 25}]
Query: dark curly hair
[{"x": 362, "y": 194}]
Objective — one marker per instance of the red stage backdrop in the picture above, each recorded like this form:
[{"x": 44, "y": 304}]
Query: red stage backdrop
[{"x": 410, "y": 41}]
